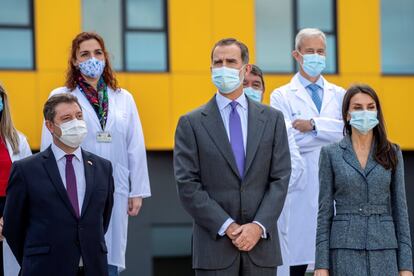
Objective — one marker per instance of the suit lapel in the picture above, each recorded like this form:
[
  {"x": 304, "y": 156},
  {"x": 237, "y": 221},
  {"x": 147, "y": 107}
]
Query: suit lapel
[
  {"x": 88, "y": 164},
  {"x": 349, "y": 155},
  {"x": 328, "y": 95},
  {"x": 53, "y": 172},
  {"x": 255, "y": 128},
  {"x": 301, "y": 93},
  {"x": 371, "y": 163},
  {"x": 213, "y": 123}
]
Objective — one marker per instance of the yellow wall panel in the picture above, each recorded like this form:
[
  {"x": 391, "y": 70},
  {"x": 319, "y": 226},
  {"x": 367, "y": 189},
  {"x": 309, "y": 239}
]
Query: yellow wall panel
[
  {"x": 56, "y": 24},
  {"x": 20, "y": 87},
  {"x": 194, "y": 27},
  {"x": 359, "y": 36},
  {"x": 190, "y": 35},
  {"x": 234, "y": 18},
  {"x": 152, "y": 96}
]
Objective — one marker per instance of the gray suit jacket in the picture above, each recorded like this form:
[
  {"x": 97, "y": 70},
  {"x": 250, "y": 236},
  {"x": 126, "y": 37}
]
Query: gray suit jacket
[
  {"x": 371, "y": 209},
  {"x": 211, "y": 189}
]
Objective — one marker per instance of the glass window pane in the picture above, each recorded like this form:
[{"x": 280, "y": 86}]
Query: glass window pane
[
  {"x": 110, "y": 30},
  {"x": 330, "y": 55},
  {"x": 146, "y": 51},
  {"x": 145, "y": 13},
  {"x": 14, "y": 12},
  {"x": 16, "y": 49},
  {"x": 397, "y": 36},
  {"x": 274, "y": 38},
  {"x": 316, "y": 14}
]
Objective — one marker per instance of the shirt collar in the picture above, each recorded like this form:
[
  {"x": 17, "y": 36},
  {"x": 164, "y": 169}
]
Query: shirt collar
[
  {"x": 59, "y": 153},
  {"x": 306, "y": 82},
  {"x": 223, "y": 102}
]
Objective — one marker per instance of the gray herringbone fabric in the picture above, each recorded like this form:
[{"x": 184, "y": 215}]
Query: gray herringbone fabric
[{"x": 372, "y": 214}]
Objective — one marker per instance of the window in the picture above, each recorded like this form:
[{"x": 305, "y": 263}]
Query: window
[
  {"x": 136, "y": 34},
  {"x": 16, "y": 35},
  {"x": 397, "y": 36},
  {"x": 278, "y": 22}
]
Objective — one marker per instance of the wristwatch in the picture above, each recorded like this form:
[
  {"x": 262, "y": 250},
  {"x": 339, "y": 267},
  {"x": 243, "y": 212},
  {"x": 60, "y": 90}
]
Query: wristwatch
[{"x": 312, "y": 122}]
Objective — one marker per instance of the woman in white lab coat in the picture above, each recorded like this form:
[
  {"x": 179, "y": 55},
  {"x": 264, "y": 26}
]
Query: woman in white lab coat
[
  {"x": 114, "y": 133},
  {"x": 13, "y": 146}
]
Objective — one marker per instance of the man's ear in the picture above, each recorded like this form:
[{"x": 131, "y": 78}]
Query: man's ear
[
  {"x": 248, "y": 68},
  {"x": 50, "y": 126},
  {"x": 296, "y": 55}
]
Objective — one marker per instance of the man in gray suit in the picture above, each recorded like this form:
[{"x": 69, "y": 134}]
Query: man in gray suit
[{"x": 232, "y": 167}]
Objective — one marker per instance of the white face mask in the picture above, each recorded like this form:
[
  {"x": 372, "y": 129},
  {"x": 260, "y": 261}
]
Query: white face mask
[{"x": 73, "y": 133}]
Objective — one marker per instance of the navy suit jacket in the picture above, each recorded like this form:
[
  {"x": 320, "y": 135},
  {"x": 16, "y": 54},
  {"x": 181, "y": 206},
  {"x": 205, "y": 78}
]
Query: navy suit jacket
[{"x": 41, "y": 226}]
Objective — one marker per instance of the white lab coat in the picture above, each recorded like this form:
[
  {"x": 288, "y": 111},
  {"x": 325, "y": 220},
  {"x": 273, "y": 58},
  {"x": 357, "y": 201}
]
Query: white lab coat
[
  {"x": 283, "y": 221},
  {"x": 10, "y": 265},
  {"x": 127, "y": 155},
  {"x": 295, "y": 103}
]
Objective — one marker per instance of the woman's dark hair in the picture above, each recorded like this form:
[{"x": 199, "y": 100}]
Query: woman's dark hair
[
  {"x": 384, "y": 151},
  {"x": 73, "y": 72}
]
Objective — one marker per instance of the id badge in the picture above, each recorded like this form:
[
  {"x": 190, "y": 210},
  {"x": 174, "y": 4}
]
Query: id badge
[{"x": 103, "y": 137}]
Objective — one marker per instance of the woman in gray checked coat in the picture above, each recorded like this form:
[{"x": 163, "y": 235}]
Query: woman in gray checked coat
[{"x": 363, "y": 224}]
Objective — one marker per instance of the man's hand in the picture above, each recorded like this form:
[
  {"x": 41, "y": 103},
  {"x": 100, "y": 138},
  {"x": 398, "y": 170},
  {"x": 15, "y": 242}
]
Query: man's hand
[
  {"x": 247, "y": 236},
  {"x": 321, "y": 272},
  {"x": 134, "y": 205},
  {"x": 302, "y": 125},
  {"x": 1, "y": 229},
  {"x": 232, "y": 227},
  {"x": 405, "y": 273}
]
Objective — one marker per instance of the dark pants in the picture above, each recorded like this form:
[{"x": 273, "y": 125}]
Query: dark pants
[
  {"x": 242, "y": 266},
  {"x": 298, "y": 270}
]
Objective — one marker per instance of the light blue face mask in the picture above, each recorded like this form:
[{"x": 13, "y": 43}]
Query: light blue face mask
[
  {"x": 254, "y": 94},
  {"x": 1, "y": 104},
  {"x": 313, "y": 64},
  {"x": 92, "y": 68},
  {"x": 363, "y": 120},
  {"x": 226, "y": 79}
]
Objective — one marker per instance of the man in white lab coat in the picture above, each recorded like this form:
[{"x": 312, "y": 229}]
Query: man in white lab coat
[
  {"x": 254, "y": 88},
  {"x": 313, "y": 105}
]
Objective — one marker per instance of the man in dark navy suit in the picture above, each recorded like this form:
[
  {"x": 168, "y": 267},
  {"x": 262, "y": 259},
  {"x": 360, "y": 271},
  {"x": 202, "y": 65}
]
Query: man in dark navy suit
[{"x": 59, "y": 201}]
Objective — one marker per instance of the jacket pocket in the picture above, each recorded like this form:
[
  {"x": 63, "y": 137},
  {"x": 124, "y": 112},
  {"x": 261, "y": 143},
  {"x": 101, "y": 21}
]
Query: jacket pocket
[
  {"x": 382, "y": 235},
  {"x": 37, "y": 250},
  {"x": 339, "y": 233}
]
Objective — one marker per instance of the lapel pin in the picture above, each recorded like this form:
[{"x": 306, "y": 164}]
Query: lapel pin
[{"x": 90, "y": 162}]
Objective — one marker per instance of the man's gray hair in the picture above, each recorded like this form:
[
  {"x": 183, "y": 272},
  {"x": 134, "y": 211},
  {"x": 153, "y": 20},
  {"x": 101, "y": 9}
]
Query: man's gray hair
[{"x": 308, "y": 32}]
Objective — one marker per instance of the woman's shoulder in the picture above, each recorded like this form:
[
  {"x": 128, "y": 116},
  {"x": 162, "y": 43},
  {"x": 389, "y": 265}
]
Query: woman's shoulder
[{"x": 333, "y": 147}]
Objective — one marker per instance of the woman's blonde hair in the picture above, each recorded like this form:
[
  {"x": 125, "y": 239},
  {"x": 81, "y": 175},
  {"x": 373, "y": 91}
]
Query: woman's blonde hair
[{"x": 7, "y": 130}]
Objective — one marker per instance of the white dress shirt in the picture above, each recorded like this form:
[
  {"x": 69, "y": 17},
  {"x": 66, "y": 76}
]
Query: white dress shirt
[{"x": 225, "y": 109}]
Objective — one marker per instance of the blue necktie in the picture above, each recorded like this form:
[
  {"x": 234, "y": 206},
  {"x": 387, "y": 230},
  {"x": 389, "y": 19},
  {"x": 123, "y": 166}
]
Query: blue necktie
[
  {"x": 236, "y": 138},
  {"x": 315, "y": 96}
]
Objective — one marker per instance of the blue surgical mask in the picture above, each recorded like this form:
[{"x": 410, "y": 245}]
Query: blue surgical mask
[
  {"x": 226, "y": 79},
  {"x": 254, "y": 94},
  {"x": 1, "y": 104},
  {"x": 92, "y": 68},
  {"x": 363, "y": 120},
  {"x": 313, "y": 64}
]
